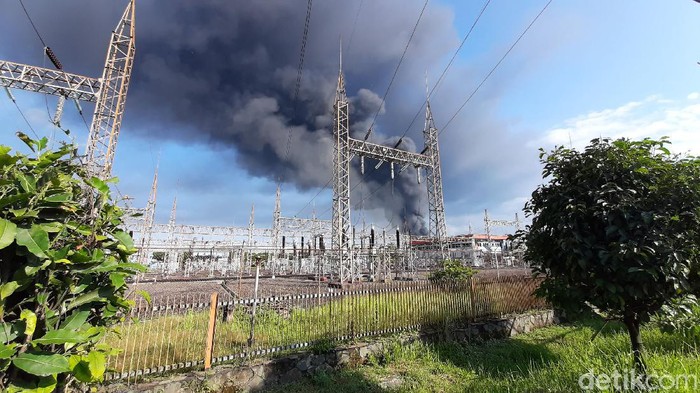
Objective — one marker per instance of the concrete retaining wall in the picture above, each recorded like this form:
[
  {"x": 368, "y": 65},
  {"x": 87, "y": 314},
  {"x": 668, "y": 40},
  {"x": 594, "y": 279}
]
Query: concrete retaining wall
[{"x": 265, "y": 373}]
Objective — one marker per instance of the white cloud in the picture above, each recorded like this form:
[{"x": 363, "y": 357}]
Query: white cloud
[
  {"x": 694, "y": 96},
  {"x": 653, "y": 117}
]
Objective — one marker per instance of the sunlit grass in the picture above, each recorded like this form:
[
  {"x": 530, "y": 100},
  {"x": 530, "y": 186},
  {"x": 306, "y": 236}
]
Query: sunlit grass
[{"x": 547, "y": 360}]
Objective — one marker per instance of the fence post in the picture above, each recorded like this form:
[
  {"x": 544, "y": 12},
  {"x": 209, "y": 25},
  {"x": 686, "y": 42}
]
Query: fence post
[
  {"x": 251, "y": 338},
  {"x": 472, "y": 295},
  {"x": 210, "y": 332}
]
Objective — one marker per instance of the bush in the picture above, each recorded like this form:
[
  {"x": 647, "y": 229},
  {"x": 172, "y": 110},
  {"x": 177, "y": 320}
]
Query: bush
[
  {"x": 682, "y": 316},
  {"x": 452, "y": 270},
  {"x": 63, "y": 267}
]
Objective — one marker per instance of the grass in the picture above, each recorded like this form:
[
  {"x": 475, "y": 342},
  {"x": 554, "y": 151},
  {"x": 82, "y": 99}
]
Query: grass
[
  {"x": 172, "y": 339},
  {"x": 547, "y": 360}
]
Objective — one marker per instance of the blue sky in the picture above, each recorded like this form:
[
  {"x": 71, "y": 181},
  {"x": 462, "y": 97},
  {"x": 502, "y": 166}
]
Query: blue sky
[{"x": 587, "y": 68}]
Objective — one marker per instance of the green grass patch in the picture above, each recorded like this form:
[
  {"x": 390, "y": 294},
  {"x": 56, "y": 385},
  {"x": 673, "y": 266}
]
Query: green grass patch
[{"x": 547, "y": 360}]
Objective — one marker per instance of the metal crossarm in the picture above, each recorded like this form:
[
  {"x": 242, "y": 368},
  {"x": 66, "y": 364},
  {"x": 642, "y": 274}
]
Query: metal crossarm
[
  {"x": 48, "y": 81},
  {"x": 219, "y": 231},
  {"x": 385, "y": 153}
]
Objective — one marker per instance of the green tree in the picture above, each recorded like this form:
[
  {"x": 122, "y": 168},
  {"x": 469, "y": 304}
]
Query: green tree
[
  {"x": 616, "y": 229},
  {"x": 62, "y": 273}
]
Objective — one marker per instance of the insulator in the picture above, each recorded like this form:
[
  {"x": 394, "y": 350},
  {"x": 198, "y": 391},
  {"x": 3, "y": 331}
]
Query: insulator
[
  {"x": 302, "y": 242},
  {"x": 398, "y": 239},
  {"x": 418, "y": 174},
  {"x": 77, "y": 105},
  {"x": 59, "y": 110},
  {"x": 362, "y": 165},
  {"x": 321, "y": 245},
  {"x": 424, "y": 150},
  {"x": 53, "y": 58},
  {"x": 283, "y": 239},
  {"x": 371, "y": 238},
  {"x": 378, "y": 165},
  {"x": 392, "y": 170},
  {"x": 9, "y": 94}
]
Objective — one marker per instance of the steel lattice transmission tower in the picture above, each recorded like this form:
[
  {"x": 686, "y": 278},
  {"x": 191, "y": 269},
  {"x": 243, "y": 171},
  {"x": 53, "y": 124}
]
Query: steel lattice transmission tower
[
  {"x": 436, "y": 205},
  {"x": 106, "y": 123},
  {"x": 340, "y": 226},
  {"x": 108, "y": 93},
  {"x": 345, "y": 147}
]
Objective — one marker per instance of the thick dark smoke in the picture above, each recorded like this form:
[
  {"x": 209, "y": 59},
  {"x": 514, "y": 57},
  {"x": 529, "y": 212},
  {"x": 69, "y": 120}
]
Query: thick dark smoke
[{"x": 223, "y": 74}]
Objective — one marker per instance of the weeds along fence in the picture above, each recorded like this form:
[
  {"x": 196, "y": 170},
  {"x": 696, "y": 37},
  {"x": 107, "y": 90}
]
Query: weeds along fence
[{"x": 196, "y": 331}]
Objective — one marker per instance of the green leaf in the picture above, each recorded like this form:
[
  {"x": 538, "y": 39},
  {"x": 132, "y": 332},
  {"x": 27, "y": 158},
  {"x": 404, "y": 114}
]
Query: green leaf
[
  {"x": 35, "y": 239},
  {"x": 8, "y": 230},
  {"x": 41, "y": 143},
  {"x": 29, "y": 318},
  {"x": 52, "y": 227},
  {"x": 60, "y": 336},
  {"x": 63, "y": 197},
  {"x": 99, "y": 185},
  {"x": 117, "y": 280},
  {"x": 8, "y": 289},
  {"x": 80, "y": 369},
  {"x": 145, "y": 295},
  {"x": 10, "y": 331},
  {"x": 75, "y": 320},
  {"x": 32, "y": 270},
  {"x": 7, "y": 350},
  {"x": 27, "y": 182},
  {"x": 41, "y": 363},
  {"x": 41, "y": 385},
  {"x": 26, "y": 139},
  {"x": 97, "y": 362},
  {"x": 6, "y": 201},
  {"x": 124, "y": 239},
  {"x": 92, "y": 296}
]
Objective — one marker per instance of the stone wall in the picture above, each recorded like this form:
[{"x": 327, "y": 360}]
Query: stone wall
[{"x": 265, "y": 373}]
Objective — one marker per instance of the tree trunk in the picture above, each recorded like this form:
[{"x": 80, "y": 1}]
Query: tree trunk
[{"x": 633, "y": 323}]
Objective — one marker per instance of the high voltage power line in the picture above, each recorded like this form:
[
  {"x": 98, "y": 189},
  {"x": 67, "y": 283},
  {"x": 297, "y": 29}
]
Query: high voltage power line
[
  {"x": 442, "y": 75},
  {"x": 396, "y": 70},
  {"x": 300, "y": 70},
  {"x": 493, "y": 69}
]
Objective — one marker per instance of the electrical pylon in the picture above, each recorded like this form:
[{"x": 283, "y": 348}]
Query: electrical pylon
[
  {"x": 436, "y": 205},
  {"x": 345, "y": 147},
  {"x": 172, "y": 239},
  {"x": 106, "y": 122},
  {"x": 341, "y": 182},
  {"x": 108, "y": 93},
  {"x": 149, "y": 220}
]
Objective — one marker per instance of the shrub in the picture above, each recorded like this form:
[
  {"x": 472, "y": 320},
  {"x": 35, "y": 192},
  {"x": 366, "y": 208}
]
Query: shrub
[
  {"x": 63, "y": 267},
  {"x": 452, "y": 270}
]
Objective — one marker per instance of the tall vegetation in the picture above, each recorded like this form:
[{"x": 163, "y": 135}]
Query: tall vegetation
[
  {"x": 63, "y": 269},
  {"x": 616, "y": 229}
]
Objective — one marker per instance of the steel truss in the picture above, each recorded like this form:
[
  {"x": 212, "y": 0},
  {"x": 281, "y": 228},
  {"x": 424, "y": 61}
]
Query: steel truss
[
  {"x": 108, "y": 92},
  {"x": 345, "y": 147}
]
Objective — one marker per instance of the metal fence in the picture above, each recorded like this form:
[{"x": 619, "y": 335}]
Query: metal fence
[{"x": 195, "y": 331}]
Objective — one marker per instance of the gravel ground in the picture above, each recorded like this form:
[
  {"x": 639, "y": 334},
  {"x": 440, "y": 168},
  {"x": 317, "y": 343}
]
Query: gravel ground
[{"x": 164, "y": 290}]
